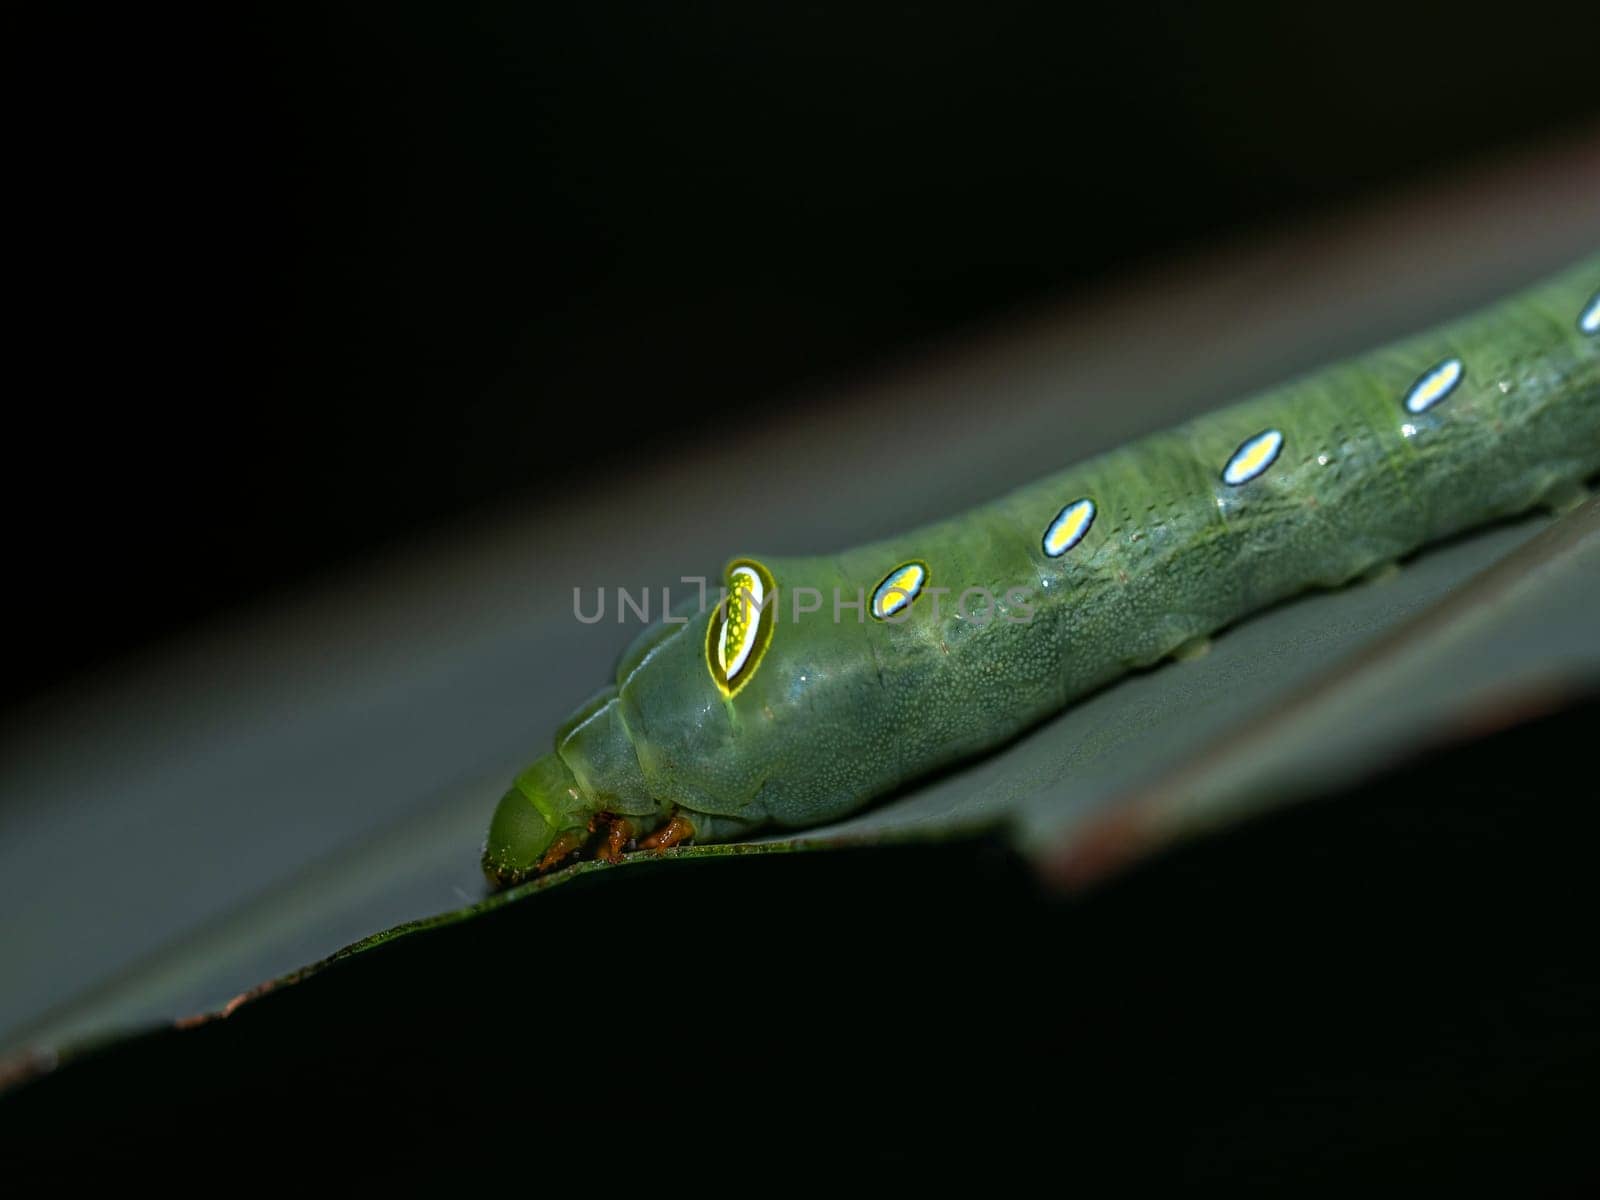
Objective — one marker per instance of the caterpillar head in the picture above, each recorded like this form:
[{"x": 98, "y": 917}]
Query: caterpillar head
[{"x": 543, "y": 816}]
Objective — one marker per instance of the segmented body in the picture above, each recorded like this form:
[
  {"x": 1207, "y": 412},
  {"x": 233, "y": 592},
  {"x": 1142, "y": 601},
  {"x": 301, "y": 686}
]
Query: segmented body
[{"x": 745, "y": 716}]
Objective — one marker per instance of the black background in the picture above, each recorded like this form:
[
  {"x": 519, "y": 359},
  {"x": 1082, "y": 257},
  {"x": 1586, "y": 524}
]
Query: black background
[{"x": 299, "y": 283}]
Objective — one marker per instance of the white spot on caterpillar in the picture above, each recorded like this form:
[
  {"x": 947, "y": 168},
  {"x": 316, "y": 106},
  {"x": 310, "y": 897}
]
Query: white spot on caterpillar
[
  {"x": 898, "y": 589},
  {"x": 1435, "y": 384},
  {"x": 1589, "y": 322},
  {"x": 1253, "y": 458},
  {"x": 746, "y": 590},
  {"x": 1069, "y": 527}
]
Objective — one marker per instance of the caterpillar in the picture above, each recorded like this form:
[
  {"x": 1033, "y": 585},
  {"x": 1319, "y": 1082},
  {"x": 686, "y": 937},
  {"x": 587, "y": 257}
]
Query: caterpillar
[{"x": 817, "y": 684}]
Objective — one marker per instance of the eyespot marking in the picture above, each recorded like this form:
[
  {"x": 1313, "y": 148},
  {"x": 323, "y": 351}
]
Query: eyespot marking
[
  {"x": 1069, "y": 527},
  {"x": 1589, "y": 322},
  {"x": 1435, "y": 384},
  {"x": 898, "y": 589},
  {"x": 1253, "y": 457},
  {"x": 740, "y": 631}
]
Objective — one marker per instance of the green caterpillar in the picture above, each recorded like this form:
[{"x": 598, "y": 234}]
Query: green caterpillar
[{"x": 893, "y": 659}]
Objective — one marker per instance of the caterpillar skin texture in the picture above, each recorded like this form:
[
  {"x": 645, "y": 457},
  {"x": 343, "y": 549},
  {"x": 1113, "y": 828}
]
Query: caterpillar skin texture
[{"x": 744, "y": 717}]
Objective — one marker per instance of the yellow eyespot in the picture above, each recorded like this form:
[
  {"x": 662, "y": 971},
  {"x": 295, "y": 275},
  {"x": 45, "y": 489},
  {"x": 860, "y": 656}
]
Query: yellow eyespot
[
  {"x": 898, "y": 589},
  {"x": 1253, "y": 457},
  {"x": 1070, "y": 526},
  {"x": 1435, "y": 384},
  {"x": 739, "y": 632}
]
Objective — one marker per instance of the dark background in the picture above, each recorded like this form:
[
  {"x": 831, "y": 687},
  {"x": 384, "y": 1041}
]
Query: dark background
[
  {"x": 301, "y": 283},
  {"x": 1396, "y": 984}
]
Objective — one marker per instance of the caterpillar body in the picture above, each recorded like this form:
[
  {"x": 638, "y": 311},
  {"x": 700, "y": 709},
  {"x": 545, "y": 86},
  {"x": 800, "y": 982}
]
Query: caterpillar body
[{"x": 818, "y": 684}]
